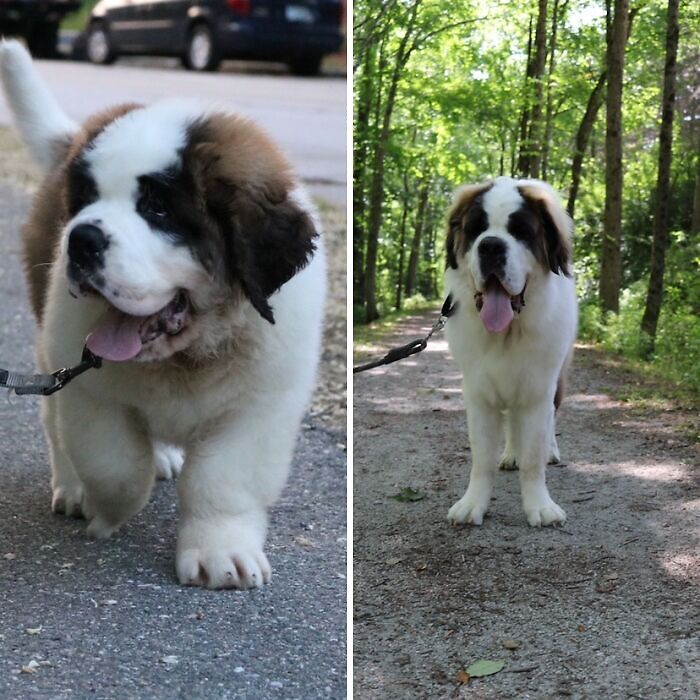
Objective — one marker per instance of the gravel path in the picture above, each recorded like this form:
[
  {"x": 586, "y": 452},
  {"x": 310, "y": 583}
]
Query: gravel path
[
  {"x": 605, "y": 607},
  {"x": 80, "y": 618}
]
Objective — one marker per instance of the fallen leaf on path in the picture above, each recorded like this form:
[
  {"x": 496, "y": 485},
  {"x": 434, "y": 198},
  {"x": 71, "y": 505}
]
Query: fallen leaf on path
[
  {"x": 33, "y": 630},
  {"x": 485, "y": 667},
  {"x": 511, "y": 644},
  {"x": 304, "y": 542},
  {"x": 463, "y": 677},
  {"x": 31, "y": 667},
  {"x": 581, "y": 628},
  {"x": 408, "y": 495}
]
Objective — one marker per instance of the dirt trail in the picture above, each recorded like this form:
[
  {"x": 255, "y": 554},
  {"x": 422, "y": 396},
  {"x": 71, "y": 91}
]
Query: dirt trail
[{"x": 605, "y": 607}]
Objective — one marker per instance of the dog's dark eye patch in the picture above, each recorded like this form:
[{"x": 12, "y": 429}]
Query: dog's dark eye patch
[
  {"x": 165, "y": 201},
  {"x": 524, "y": 226},
  {"x": 82, "y": 188},
  {"x": 476, "y": 222}
]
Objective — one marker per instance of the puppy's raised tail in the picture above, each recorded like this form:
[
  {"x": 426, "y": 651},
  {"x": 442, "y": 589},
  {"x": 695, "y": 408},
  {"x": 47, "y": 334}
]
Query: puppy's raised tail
[{"x": 44, "y": 127}]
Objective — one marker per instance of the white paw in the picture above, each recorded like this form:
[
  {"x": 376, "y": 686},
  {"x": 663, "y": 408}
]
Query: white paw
[
  {"x": 554, "y": 455},
  {"x": 222, "y": 554},
  {"x": 508, "y": 464},
  {"x": 100, "y": 529},
  {"x": 471, "y": 507},
  {"x": 68, "y": 499},
  {"x": 168, "y": 460},
  {"x": 544, "y": 511}
]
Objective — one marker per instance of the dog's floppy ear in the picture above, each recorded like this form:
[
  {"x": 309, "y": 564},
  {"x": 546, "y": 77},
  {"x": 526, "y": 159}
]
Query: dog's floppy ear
[
  {"x": 272, "y": 240},
  {"x": 465, "y": 221},
  {"x": 263, "y": 235},
  {"x": 556, "y": 225}
]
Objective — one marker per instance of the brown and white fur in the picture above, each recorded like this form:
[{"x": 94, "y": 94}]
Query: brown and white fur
[
  {"x": 509, "y": 270},
  {"x": 188, "y": 227}
]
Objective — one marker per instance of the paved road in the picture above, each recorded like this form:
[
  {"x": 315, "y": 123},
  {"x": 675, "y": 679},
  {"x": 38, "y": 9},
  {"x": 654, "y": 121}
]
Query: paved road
[
  {"x": 306, "y": 116},
  {"x": 108, "y": 619}
]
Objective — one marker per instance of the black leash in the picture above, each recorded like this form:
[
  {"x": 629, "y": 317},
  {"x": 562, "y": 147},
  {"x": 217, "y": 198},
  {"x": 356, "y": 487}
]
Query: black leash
[
  {"x": 416, "y": 346},
  {"x": 48, "y": 384}
]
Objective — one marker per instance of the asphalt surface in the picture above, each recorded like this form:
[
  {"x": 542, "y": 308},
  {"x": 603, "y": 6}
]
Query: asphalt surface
[
  {"x": 604, "y": 607},
  {"x": 80, "y": 618},
  {"x": 305, "y": 116}
]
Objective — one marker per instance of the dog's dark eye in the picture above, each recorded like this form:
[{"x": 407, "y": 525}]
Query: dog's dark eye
[{"x": 150, "y": 205}]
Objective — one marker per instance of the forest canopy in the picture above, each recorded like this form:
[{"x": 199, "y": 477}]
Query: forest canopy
[{"x": 460, "y": 92}]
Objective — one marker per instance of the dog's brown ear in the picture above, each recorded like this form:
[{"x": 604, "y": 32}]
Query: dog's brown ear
[
  {"x": 271, "y": 241},
  {"x": 465, "y": 221},
  {"x": 264, "y": 235},
  {"x": 556, "y": 226}
]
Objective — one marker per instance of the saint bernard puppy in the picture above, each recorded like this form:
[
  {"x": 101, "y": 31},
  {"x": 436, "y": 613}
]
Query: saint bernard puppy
[
  {"x": 509, "y": 270},
  {"x": 179, "y": 246}
]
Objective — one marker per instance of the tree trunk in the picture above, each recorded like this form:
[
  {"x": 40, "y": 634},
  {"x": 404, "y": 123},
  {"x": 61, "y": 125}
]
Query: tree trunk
[
  {"x": 611, "y": 268},
  {"x": 549, "y": 114},
  {"x": 376, "y": 198},
  {"x": 663, "y": 185},
  {"x": 530, "y": 153},
  {"x": 402, "y": 243},
  {"x": 595, "y": 102},
  {"x": 525, "y": 116},
  {"x": 359, "y": 180},
  {"x": 695, "y": 223},
  {"x": 412, "y": 272}
]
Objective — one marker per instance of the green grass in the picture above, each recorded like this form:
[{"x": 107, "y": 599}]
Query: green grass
[{"x": 78, "y": 20}]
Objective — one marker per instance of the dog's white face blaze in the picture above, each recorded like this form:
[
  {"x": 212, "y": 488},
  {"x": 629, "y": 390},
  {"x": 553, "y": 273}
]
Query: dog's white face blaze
[
  {"x": 498, "y": 204},
  {"x": 143, "y": 269}
]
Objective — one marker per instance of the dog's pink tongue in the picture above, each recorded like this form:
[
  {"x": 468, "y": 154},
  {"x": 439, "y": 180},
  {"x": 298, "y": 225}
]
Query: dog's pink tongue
[
  {"x": 116, "y": 337},
  {"x": 496, "y": 312}
]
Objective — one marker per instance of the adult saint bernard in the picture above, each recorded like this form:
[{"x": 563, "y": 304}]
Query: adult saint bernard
[{"x": 509, "y": 270}]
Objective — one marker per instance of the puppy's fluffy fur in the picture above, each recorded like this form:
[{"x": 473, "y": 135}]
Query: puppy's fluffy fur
[
  {"x": 509, "y": 270},
  {"x": 179, "y": 242}
]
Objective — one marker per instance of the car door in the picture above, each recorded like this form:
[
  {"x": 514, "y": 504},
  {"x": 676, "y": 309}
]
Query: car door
[
  {"x": 164, "y": 26},
  {"x": 126, "y": 21}
]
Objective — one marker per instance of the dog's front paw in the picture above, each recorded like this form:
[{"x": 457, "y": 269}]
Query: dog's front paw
[
  {"x": 222, "y": 554},
  {"x": 543, "y": 511},
  {"x": 67, "y": 498},
  {"x": 470, "y": 508},
  {"x": 168, "y": 460},
  {"x": 508, "y": 464}
]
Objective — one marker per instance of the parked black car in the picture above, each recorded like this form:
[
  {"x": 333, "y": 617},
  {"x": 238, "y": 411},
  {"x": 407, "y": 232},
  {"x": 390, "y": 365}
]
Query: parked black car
[
  {"x": 37, "y": 21},
  {"x": 299, "y": 32}
]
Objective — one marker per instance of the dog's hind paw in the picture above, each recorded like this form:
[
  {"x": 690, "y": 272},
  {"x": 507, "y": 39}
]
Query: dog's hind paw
[{"x": 168, "y": 460}]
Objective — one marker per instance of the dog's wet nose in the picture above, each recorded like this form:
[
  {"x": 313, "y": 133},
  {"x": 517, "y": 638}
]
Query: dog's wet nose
[
  {"x": 492, "y": 255},
  {"x": 86, "y": 246}
]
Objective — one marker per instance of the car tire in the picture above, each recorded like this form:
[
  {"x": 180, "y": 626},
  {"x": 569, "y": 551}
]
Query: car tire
[
  {"x": 201, "y": 52},
  {"x": 98, "y": 45},
  {"x": 43, "y": 40},
  {"x": 306, "y": 65}
]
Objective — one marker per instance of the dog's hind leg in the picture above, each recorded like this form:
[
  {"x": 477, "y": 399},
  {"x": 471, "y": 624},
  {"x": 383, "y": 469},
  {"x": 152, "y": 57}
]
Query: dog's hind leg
[
  {"x": 508, "y": 460},
  {"x": 45, "y": 129}
]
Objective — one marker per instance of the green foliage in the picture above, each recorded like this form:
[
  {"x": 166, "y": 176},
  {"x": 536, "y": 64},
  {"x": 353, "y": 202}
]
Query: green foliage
[
  {"x": 456, "y": 119},
  {"x": 78, "y": 20}
]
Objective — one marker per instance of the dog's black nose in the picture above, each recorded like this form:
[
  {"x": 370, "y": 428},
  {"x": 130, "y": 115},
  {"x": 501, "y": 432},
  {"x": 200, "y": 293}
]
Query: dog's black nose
[
  {"x": 492, "y": 255},
  {"x": 86, "y": 246}
]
